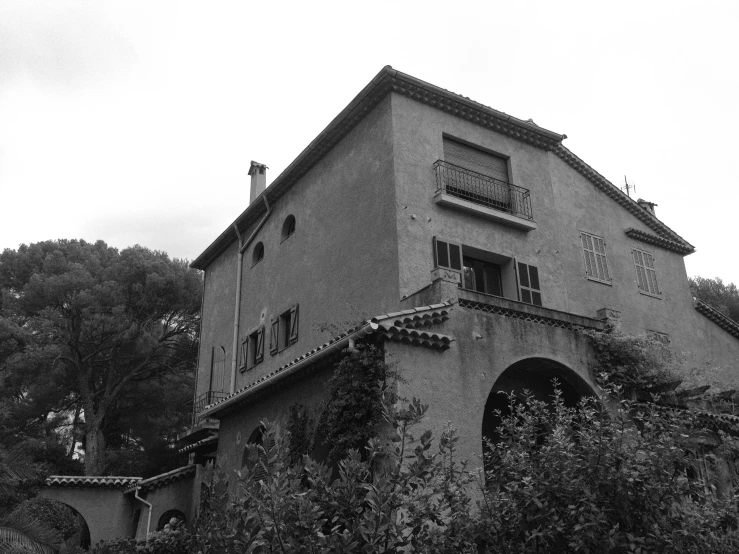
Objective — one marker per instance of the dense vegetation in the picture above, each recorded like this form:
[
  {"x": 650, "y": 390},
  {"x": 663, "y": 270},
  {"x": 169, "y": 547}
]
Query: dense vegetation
[{"x": 722, "y": 297}]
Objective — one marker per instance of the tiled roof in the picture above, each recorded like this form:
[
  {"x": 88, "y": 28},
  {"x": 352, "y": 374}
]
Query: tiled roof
[
  {"x": 680, "y": 247},
  {"x": 164, "y": 479},
  {"x": 726, "y": 323},
  {"x": 104, "y": 481},
  {"x": 198, "y": 444},
  {"x": 390, "y": 80},
  {"x": 390, "y": 326}
]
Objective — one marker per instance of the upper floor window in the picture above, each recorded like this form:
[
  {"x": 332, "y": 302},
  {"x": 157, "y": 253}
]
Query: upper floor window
[
  {"x": 594, "y": 252},
  {"x": 469, "y": 178},
  {"x": 283, "y": 330},
  {"x": 252, "y": 349},
  {"x": 646, "y": 276},
  {"x": 258, "y": 254},
  {"x": 288, "y": 227},
  {"x": 475, "y": 159},
  {"x": 481, "y": 276}
]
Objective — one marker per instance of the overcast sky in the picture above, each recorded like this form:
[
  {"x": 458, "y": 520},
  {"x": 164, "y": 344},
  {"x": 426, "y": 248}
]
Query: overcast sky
[{"x": 134, "y": 122}]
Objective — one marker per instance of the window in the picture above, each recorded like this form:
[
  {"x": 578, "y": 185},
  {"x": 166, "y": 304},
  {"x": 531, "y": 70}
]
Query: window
[
  {"x": 528, "y": 284},
  {"x": 288, "y": 228},
  {"x": 258, "y": 254},
  {"x": 252, "y": 349},
  {"x": 594, "y": 251},
  {"x": 447, "y": 254},
  {"x": 646, "y": 276},
  {"x": 283, "y": 330},
  {"x": 481, "y": 276},
  {"x": 475, "y": 159}
]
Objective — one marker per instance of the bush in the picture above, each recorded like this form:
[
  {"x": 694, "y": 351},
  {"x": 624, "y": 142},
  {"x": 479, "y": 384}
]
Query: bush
[
  {"x": 588, "y": 479},
  {"x": 173, "y": 539}
]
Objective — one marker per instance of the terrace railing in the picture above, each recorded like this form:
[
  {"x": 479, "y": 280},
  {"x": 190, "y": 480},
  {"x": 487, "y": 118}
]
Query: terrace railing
[
  {"x": 482, "y": 189},
  {"x": 203, "y": 400}
]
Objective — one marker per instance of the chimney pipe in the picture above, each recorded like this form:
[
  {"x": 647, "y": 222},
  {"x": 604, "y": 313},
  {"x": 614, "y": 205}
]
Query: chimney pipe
[
  {"x": 258, "y": 174},
  {"x": 649, "y": 206}
]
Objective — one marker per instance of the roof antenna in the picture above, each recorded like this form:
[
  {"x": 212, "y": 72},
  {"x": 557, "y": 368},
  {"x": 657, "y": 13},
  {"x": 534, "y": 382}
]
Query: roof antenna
[{"x": 629, "y": 185}]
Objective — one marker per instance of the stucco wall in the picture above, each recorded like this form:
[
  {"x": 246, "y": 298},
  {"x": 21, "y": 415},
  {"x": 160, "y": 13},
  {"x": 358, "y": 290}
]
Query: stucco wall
[
  {"x": 179, "y": 495},
  {"x": 340, "y": 264},
  {"x": 107, "y": 512},
  {"x": 564, "y": 203},
  {"x": 456, "y": 383}
]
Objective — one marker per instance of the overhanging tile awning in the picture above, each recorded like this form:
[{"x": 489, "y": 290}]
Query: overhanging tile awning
[
  {"x": 102, "y": 481},
  {"x": 391, "y": 326}
]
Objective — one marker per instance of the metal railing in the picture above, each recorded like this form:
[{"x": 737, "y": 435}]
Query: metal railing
[
  {"x": 204, "y": 400},
  {"x": 482, "y": 189}
]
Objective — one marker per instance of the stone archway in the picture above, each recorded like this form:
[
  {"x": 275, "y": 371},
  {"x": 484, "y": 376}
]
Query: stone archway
[{"x": 535, "y": 375}]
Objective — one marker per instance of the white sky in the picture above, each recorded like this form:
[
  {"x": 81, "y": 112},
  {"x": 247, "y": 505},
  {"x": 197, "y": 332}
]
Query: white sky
[{"x": 134, "y": 122}]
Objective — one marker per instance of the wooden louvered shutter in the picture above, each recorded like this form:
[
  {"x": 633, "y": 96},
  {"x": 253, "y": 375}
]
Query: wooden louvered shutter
[
  {"x": 294, "y": 324},
  {"x": 646, "y": 275},
  {"x": 274, "y": 335},
  {"x": 259, "y": 354},
  {"x": 594, "y": 250},
  {"x": 244, "y": 352},
  {"x": 447, "y": 254},
  {"x": 528, "y": 284},
  {"x": 471, "y": 158}
]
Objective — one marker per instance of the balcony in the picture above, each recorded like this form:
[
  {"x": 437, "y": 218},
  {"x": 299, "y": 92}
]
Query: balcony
[
  {"x": 204, "y": 400},
  {"x": 467, "y": 190}
]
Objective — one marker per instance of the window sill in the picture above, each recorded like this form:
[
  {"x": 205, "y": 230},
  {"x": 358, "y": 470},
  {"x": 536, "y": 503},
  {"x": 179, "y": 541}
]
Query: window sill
[
  {"x": 449, "y": 201},
  {"x": 594, "y": 280},
  {"x": 256, "y": 264},
  {"x": 287, "y": 237},
  {"x": 645, "y": 293}
]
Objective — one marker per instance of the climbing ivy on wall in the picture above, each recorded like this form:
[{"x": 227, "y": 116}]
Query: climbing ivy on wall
[
  {"x": 639, "y": 365},
  {"x": 353, "y": 412}
]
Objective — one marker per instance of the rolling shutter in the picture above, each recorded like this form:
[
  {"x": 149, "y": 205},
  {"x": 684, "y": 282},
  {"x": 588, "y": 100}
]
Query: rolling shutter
[{"x": 482, "y": 162}]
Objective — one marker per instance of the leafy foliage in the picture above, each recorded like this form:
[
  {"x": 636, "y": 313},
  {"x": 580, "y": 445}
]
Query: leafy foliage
[
  {"x": 639, "y": 364},
  {"x": 714, "y": 292},
  {"x": 173, "y": 539},
  {"x": 353, "y": 413},
  {"x": 585, "y": 479},
  {"x": 83, "y": 327}
]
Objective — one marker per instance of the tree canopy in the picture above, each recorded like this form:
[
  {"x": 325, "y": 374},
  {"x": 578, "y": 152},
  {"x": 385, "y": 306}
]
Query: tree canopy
[
  {"x": 88, "y": 332},
  {"x": 714, "y": 292}
]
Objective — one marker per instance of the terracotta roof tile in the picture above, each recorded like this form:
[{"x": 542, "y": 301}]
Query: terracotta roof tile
[{"x": 102, "y": 481}]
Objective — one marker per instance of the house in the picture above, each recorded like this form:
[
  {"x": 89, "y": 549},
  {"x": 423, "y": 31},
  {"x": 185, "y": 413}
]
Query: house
[{"x": 471, "y": 245}]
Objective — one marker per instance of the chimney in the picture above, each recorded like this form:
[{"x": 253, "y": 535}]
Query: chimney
[
  {"x": 258, "y": 174},
  {"x": 649, "y": 206}
]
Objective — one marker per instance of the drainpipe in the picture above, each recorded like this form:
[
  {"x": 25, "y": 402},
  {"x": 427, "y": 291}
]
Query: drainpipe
[
  {"x": 148, "y": 519},
  {"x": 243, "y": 245}
]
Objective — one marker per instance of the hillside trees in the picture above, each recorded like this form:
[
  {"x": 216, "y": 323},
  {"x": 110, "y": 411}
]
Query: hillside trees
[
  {"x": 721, "y": 296},
  {"x": 83, "y": 327}
]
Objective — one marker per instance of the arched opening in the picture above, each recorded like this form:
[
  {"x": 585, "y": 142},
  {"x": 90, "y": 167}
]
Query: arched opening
[
  {"x": 168, "y": 516},
  {"x": 68, "y": 522},
  {"x": 253, "y": 456},
  {"x": 536, "y": 376},
  {"x": 258, "y": 254},
  {"x": 288, "y": 227}
]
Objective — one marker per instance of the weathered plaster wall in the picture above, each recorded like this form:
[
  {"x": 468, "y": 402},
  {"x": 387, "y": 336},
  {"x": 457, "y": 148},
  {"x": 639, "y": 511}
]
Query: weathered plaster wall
[
  {"x": 341, "y": 263},
  {"x": 309, "y": 389},
  {"x": 217, "y": 318},
  {"x": 107, "y": 512},
  {"x": 179, "y": 495},
  {"x": 564, "y": 204},
  {"x": 456, "y": 383}
]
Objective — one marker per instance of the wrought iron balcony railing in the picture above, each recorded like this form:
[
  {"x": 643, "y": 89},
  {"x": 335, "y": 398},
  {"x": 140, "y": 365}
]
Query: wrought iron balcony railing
[
  {"x": 482, "y": 189},
  {"x": 203, "y": 400}
]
